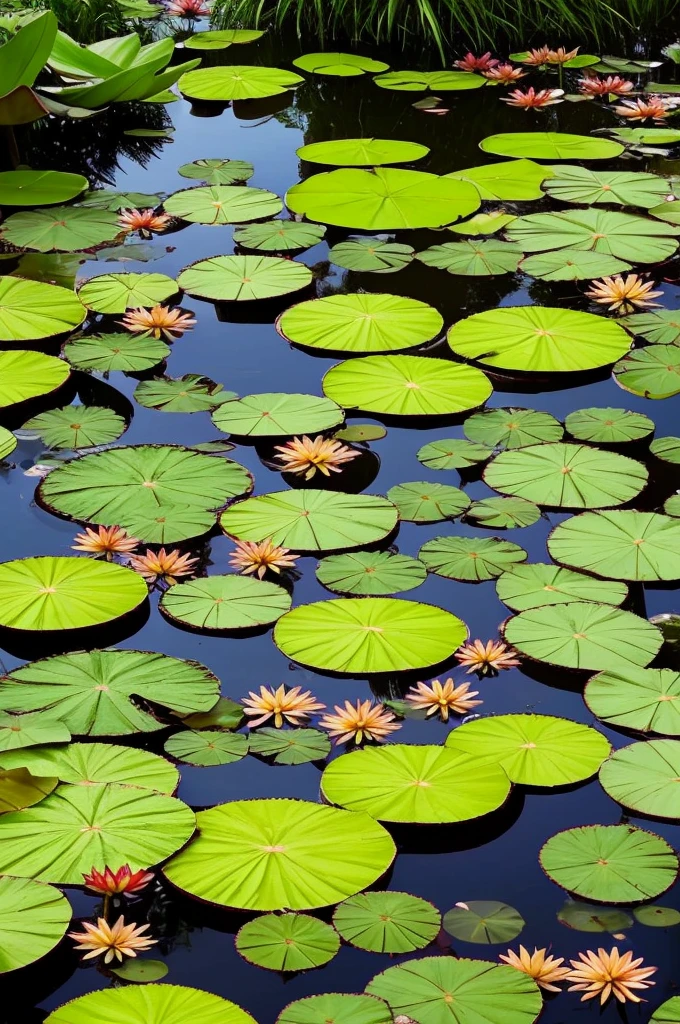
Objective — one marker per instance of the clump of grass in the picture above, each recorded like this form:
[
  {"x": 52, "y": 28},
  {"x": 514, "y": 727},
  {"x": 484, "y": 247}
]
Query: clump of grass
[{"x": 88, "y": 21}]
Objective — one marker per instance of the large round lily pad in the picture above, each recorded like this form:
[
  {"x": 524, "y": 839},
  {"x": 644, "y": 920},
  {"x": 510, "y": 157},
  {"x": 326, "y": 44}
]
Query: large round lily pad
[
  {"x": 387, "y": 922},
  {"x": 25, "y": 375},
  {"x": 222, "y": 204},
  {"x": 485, "y": 922},
  {"x": 336, "y": 1008},
  {"x": 310, "y": 520},
  {"x": 376, "y": 634},
  {"x": 370, "y": 573},
  {"x": 608, "y": 426},
  {"x": 534, "y": 750},
  {"x": 574, "y": 184},
  {"x": 60, "y": 228},
  {"x": 619, "y": 545},
  {"x": 583, "y": 635},
  {"x": 362, "y": 152},
  {"x": 237, "y": 82},
  {"x": 114, "y": 293},
  {"x": 83, "y": 764},
  {"x": 470, "y": 559},
  {"x": 383, "y": 199},
  {"x": 287, "y": 942},
  {"x": 107, "y": 352},
  {"x": 150, "y": 1004},
  {"x": 643, "y": 777},
  {"x": 278, "y": 414},
  {"x": 512, "y": 428},
  {"x": 541, "y": 583},
  {"x": 77, "y": 827},
  {"x": 539, "y": 339},
  {"x": 610, "y": 863},
  {"x": 406, "y": 386},
  {"x": 361, "y": 322},
  {"x": 33, "y": 919},
  {"x": 32, "y": 310},
  {"x": 265, "y": 855},
  {"x": 551, "y": 146},
  {"x": 56, "y": 593},
  {"x": 415, "y": 784},
  {"x": 243, "y": 278},
  {"x": 424, "y": 502},
  {"x": 224, "y": 603},
  {"x": 610, "y": 232},
  {"x": 645, "y": 699},
  {"x": 651, "y": 372}
]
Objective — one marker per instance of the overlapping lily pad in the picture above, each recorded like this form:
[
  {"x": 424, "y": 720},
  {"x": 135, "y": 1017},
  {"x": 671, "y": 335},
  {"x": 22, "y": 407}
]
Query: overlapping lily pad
[
  {"x": 8, "y": 443},
  {"x": 483, "y": 223},
  {"x": 645, "y": 699},
  {"x": 237, "y": 82},
  {"x": 516, "y": 180},
  {"x": 452, "y": 453},
  {"x": 551, "y": 146},
  {"x": 503, "y": 513},
  {"x": 222, "y": 204},
  {"x": 287, "y": 942},
  {"x": 25, "y": 375},
  {"x": 218, "y": 172},
  {"x": 338, "y": 1007},
  {"x": 278, "y": 415},
  {"x": 107, "y": 352},
  {"x": 541, "y": 583},
  {"x": 60, "y": 228},
  {"x": 244, "y": 278},
  {"x": 84, "y": 764},
  {"x": 279, "y": 235},
  {"x": 77, "y": 426},
  {"x": 222, "y": 603},
  {"x": 290, "y": 746},
  {"x": 574, "y": 184},
  {"x": 657, "y": 326},
  {"x": 32, "y": 310},
  {"x": 470, "y": 559},
  {"x": 623, "y": 235},
  {"x": 651, "y": 372},
  {"x": 667, "y": 449},
  {"x": 190, "y": 393},
  {"x": 473, "y": 257},
  {"x": 207, "y": 747},
  {"x": 570, "y": 264},
  {"x": 153, "y": 1004},
  {"x": 608, "y": 426},
  {"x": 370, "y": 573},
  {"x": 424, "y": 502},
  {"x": 114, "y": 293},
  {"x": 109, "y": 199},
  {"x": 512, "y": 428},
  {"x": 33, "y": 919},
  {"x": 483, "y": 921},
  {"x": 19, "y": 789},
  {"x": 28, "y": 730},
  {"x": 643, "y": 777},
  {"x": 362, "y": 152},
  {"x": 371, "y": 255},
  {"x": 39, "y": 188},
  {"x": 220, "y": 39},
  {"x": 387, "y": 922},
  {"x": 619, "y": 545}
]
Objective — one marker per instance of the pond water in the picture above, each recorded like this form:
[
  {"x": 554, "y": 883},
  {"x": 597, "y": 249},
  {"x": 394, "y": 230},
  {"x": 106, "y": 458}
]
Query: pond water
[{"x": 488, "y": 861}]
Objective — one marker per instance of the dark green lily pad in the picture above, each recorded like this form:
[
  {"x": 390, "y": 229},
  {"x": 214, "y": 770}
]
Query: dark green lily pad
[
  {"x": 485, "y": 922},
  {"x": 108, "y": 199},
  {"x": 425, "y": 502},
  {"x": 61, "y": 228},
  {"x": 470, "y": 559},
  {"x": 207, "y": 746},
  {"x": 512, "y": 428},
  {"x": 608, "y": 426},
  {"x": 226, "y": 714},
  {"x": 370, "y": 573},
  {"x": 290, "y": 746},
  {"x": 658, "y": 326},
  {"x": 387, "y": 922},
  {"x": 436, "y": 81},
  {"x": 140, "y": 972},
  {"x": 190, "y": 393}
]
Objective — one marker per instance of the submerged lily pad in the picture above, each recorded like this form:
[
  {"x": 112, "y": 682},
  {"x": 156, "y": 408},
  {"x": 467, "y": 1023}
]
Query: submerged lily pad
[
  {"x": 376, "y": 634},
  {"x": 77, "y": 426},
  {"x": 244, "y": 278},
  {"x": 236, "y": 859},
  {"x": 619, "y": 545},
  {"x": 25, "y": 375},
  {"x": 658, "y": 326},
  {"x": 279, "y": 235},
  {"x": 107, "y": 352},
  {"x": 473, "y": 258},
  {"x": 84, "y": 764},
  {"x": 485, "y": 922},
  {"x": 32, "y": 310},
  {"x": 551, "y": 146},
  {"x": 540, "y": 583},
  {"x": 590, "y": 917},
  {"x": 516, "y": 180},
  {"x": 370, "y": 573},
  {"x": 151, "y": 1004},
  {"x": 218, "y": 172},
  {"x": 470, "y": 559},
  {"x": 371, "y": 255},
  {"x": 651, "y": 372},
  {"x": 415, "y": 784},
  {"x": 645, "y": 699},
  {"x": 504, "y": 513},
  {"x": 573, "y": 184},
  {"x": 290, "y": 746},
  {"x": 362, "y": 152},
  {"x": 610, "y": 232},
  {"x": 60, "y": 228},
  {"x": 221, "y": 603},
  {"x": 190, "y": 393},
  {"x": 512, "y": 428},
  {"x": 452, "y": 453},
  {"x": 207, "y": 746},
  {"x": 643, "y": 777},
  {"x": 287, "y": 942},
  {"x": 343, "y": 65},
  {"x": 33, "y": 919},
  {"x": 277, "y": 415},
  {"x": 387, "y": 922},
  {"x": 114, "y": 293},
  {"x": 657, "y": 917},
  {"x": 424, "y": 502},
  {"x": 608, "y": 426},
  {"x": 222, "y": 204},
  {"x": 237, "y": 82}
]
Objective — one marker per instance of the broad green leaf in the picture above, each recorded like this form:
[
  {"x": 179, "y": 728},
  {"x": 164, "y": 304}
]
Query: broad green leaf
[
  {"x": 140, "y": 972},
  {"x": 277, "y": 414},
  {"x": 290, "y": 746},
  {"x": 657, "y": 917},
  {"x": 220, "y": 39},
  {"x": 71, "y": 60},
  {"x": 226, "y": 714},
  {"x": 218, "y": 172},
  {"x": 84, "y": 764},
  {"x": 619, "y": 545},
  {"x": 642, "y": 778},
  {"x": 483, "y": 223},
  {"x": 207, "y": 746},
  {"x": 39, "y": 188},
  {"x": 512, "y": 428},
  {"x": 107, "y": 352},
  {"x": 343, "y": 65},
  {"x": 483, "y": 258},
  {"x": 371, "y": 255},
  {"x": 652, "y": 372},
  {"x": 470, "y": 559},
  {"x": 551, "y": 146},
  {"x": 425, "y": 502},
  {"x": 222, "y": 204},
  {"x": 61, "y": 228},
  {"x": 21, "y": 106},
  {"x": 107, "y": 199},
  {"x": 608, "y": 426},
  {"x": 671, "y": 506},
  {"x": 668, "y": 1012},
  {"x": 517, "y": 180},
  {"x": 244, "y": 278},
  {"x": 150, "y": 1004},
  {"x": 540, "y": 583},
  {"x": 19, "y": 731},
  {"x": 19, "y": 789},
  {"x": 219, "y": 603},
  {"x": 361, "y": 433},
  {"x": 485, "y": 922},
  {"x": 436, "y": 81},
  {"x": 643, "y": 699},
  {"x": 362, "y": 152},
  {"x": 610, "y": 863},
  {"x": 503, "y": 513},
  {"x": 589, "y": 917},
  {"x": 33, "y": 919},
  {"x": 376, "y": 634},
  {"x": 568, "y": 264},
  {"x": 114, "y": 293},
  {"x": 646, "y": 136},
  {"x": 265, "y": 855},
  {"x": 287, "y": 942},
  {"x": 279, "y": 236},
  {"x": 24, "y": 54},
  {"x": 32, "y": 310},
  {"x": 667, "y": 449},
  {"x": 25, "y": 375},
  {"x": 415, "y": 784},
  {"x": 8, "y": 443},
  {"x": 584, "y": 635},
  {"x": 370, "y": 573},
  {"x": 452, "y": 453},
  {"x": 77, "y": 426},
  {"x": 387, "y": 922},
  {"x": 573, "y": 184},
  {"x": 338, "y": 1008},
  {"x": 190, "y": 393},
  {"x": 657, "y": 326},
  {"x": 237, "y": 82},
  {"x": 623, "y": 235}
]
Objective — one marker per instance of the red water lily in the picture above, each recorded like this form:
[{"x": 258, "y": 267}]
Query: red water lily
[
  {"x": 532, "y": 99},
  {"x": 504, "y": 74},
  {"x": 112, "y": 883},
  {"x": 612, "y": 85}
]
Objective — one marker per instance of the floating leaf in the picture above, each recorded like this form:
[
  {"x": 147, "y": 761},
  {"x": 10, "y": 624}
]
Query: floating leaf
[
  {"x": 436, "y": 81},
  {"x": 338, "y": 1008},
  {"x": 415, "y": 784},
  {"x": 190, "y": 393},
  {"x": 287, "y": 942},
  {"x": 218, "y": 172},
  {"x": 8, "y": 443},
  {"x": 539, "y": 584},
  {"x": 32, "y": 310},
  {"x": 343, "y": 65},
  {"x": 243, "y": 278},
  {"x": 512, "y": 428},
  {"x": 589, "y": 917},
  {"x": 20, "y": 789},
  {"x": 222, "y": 204},
  {"x": 582, "y": 635},
  {"x": 667, "y": 449},
  {"x": 658, "y": 326},
  {"x": 482, "y": 258},
  {"x": 206, "y": 747},
  {"x": 362, "y": 152},
  {"x": 224, "y": 603},
  {"x": 84, "y": 764},
  {"x": 106, "y": 199},
  {"x": 77, "y": 426},
  {"x": 619, "y": 545},
  {"x": 483, "y": 223},
  {"x": 387, "y": 922},
  {"x": 33, "y": 919},
  {"x": 624, "y": 235},
  {"x": 470, "y": 559},
  {"x": 114, "y": 293},
  {"x": 610, "y": 863},
  {"x": 290, "y": 746},
  {"x": 551, "y": 146},
  {"x": 637, "y": 698},
  {"x": 279, "y": 235},
  {"x": 153, "y": 1004},
  {"x": 376, "y": 634},
  {"x": 236, "y": 860},
  {"x": 608, "y": 426},
  {"x": 39, "y": 188},
  {"x": 64, "y": 228},
  {"x": 453, "y": 453},
  {"x": 573, "y": 184},
  {"x": 140, "y": 972},
  {"x": 503, "y": 513},
  {"x": 360, "y": 322},
  {"x": 277, "y": 415},
  {"x": 360, "y": 433},
  {"x": 107, "y": 352},
  {"x": 484, "y": 922},
  {"x": 226, "y": 714},
  {"x": 517, "y": 180},
  {"x": 643, "y": 778},
  {"x": 220, "y": 39},
  {"x": 238, "y": 82},
  {"x": 657, "y": 917},
  {"x": 568, "y": 264},
  {"x": 370, "y": 573},
  {"x": 668, "y": 1012},
  {"x": 652, "y": 372},
  {"x": 371, "y": 255},
  {"x": 424, "y": 502},
  {"x": 25, "y": 375},
  {"x": 19, "y": 731},
  {"x": 646, "y": 136}
]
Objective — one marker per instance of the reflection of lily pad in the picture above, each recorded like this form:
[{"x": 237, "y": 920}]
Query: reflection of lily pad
[
  {"x": 652, "y": 372},
  {"x": 107, "y": 352},
  {"x": 222, "y": 204},
  {"x": 645, "y": 699},
  {"x": 25, "y": 375},
  {"x": 33, "y": 919},
  {"x": 225, "y": 603},
  {"x": 470, "y": 559},
  {"x": 226, "y": 714},
  {"x": 84, "y": 764},
  {"x": 31, "y": 310},
  {"x": 425, "y": 502},
  {"x": 573, "y": 184},
  {"x": 190, "y": 393},
  {"x": 243, "y": 278},
  {"x": 287, "y": 942},
  {"x": 608, "y": 426},
  {"x": 512, "y": 428},
  {"x": 551, "y": 146},
  {"x": 473, "y": 257},
  {"x": 508, "y": 180},
  {"x": 643, "y": 778},
  {"x": 279, "y": 235},
  {"x": 387, "y": 922},
  {"x": 503, "y": 513},
  {"x": 371, "y": 255},
  {"x": 77, "y": 426},
  {"x": 207, "y": 746},
  {"x": 237, "y": 82},
  {"x": 343, "y": 65},
  {"x": 150, "y": 1004},
  {"x": 336, "y": 1008},
  {"x": 218, "y": 172},
  {"x": 277, "y": 415},
  {"x": 290, "y": 746},
  {"x": 624, "y": 235},
  {"x": 370, "y": 573},
  {"x": 589, "y": 917},
  {"x": 452, "y": 453},
  {"x": 484, "y": 921},
  {"x": 64, "y": 228},
  {"x": 362, "y": 152},
  {"x": 540, "y": 583},
  {"x": 619, "y": 545},
  {"x": 114, "y": 293}
]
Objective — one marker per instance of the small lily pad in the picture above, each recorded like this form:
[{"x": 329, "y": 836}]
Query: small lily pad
[
  {"x": 470, "y": 559},
  {"x": 370, "y": 573},
  {"x": 207, "y": 746},
  {"x": 287, "y": 942},
  {"x": 218, "y": 172},
  {"x": 541, "y": 583},
  {"x": 608, "y": 426},
  {"x": 114, "y": 293},
  {"x": 473, "y": 258},
  {"x": 657, "y": 917},
  {"x": 108, "y": 352},
  {"x": 567, "y": 264},
  {"x": 387, "y": 922},
  {"x": 371, "y": 255},
  {"x": 277, "y": 415},
  {"x": 646, "y": 699},
  {"x": 279, "y": 235},
  {"x": 60, "y": 228},
  {"x": 224, "y": 603},
  {"x": 227, "y": 83},
  {"x": 452, "y": 453},
  {"x": 140, "y": 972},
  {"x": 485, "y": 922},
  {"x": 190, "y": 393},
  {"x": 483, "y": 223},
  {"x": 651, "y": 372},
  {"x": 591, "y": 917},
  {"x": 77, "y": 426},
  {"x": 512, "y": 428},
  {"x": 290, "y": 746},
  {"x": 220, "y": 39},
  {"x": 425, "y": 502},
  {"x": 504, "y": 513}
]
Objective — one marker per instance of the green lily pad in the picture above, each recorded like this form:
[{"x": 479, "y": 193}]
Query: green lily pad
[
  {"x": 39, "y": 188},
  {"x": 619, "y": 545},
  {"x": 623, "y": 235},
  {"x": 25, "y": 375},
  {"x": 636, "y": 698},
  {"x": 226, "y": 714},
  {"x": 436, "y": 81},
  {"x": 483, "y": 223},
  {"x": 77, "y": 426},
  {"x": 504, "y": 513},
  {"x": 360, "y": 433},
  {"x": 371, "y": 255},
  {"x": 362, "y": 152},
  {"x": 19, "y": 731},
  {"x": 569, "y": 264},
  {"x": 540, "y": 583},
  {"x": 61, "y": 593},
  {"x": 361, "y": 322},
  {"x": 34, "y": 918},
  {"x": 244, "y": 278},
  {"x": 424, "y": 990},
  {"x": 342, "y": 65},
  {"x": 566, "y": 476},
  {"x": 512, "y": 428},
  {"x": 287, "y": 942},
  {"x": 92, "y": 693},
  {"x": 32, "y": 310},
  {"x": 311, "y": 520},
  {"x": 19, "y": 789},
  {"x": 279, "y": 235},
  {"x": 667, "y": 449},
  {"x": 159, "y": 493},
  {"x": 218, "y": 172},
  {"x": 77, "y": 826},
  {"x": 667, "y": 211},
  {"x": 642, "y": 777},
  {"x": 610, "y": 863},
  {"x": 383, "y": 199},
  {"x": 485, "y": 922},
  {"x": 8, "y": 443},
  {"x": 108, "y": 199},
  {"x": 140, "y": 972},
  {"x": 265, "y": 855},
  {"x": 108, "y": 352},
  {"x": 60, "y": 228},
  {"x": 452, "y": 453},
  {"x": 478, "y": 258},
  {"x": 652, "y": 372},
  {"x": 415, "y": 784},
  {"x": 470, "y": 559},
  {"x": 84, "y": 764},
  {"x": 222, "y": 204},
  {"x": 370, "y": 573},
  {"x": 220, "y": 39},
  {"x": 190, "y": 393},
  {"x": 387, "y": 922},
  {"x": 646, "y": 136},
  {"x": 220, "y": 603},
  {"x": 668, "y": 1012},
  {"x": 658, "y": 326},
  {"x": 405, "y": 385},
  {"x": 657, "y": 917},
  {"x": 277, "y": 415},
  {"x": 551, "y": 146},
  {"x": 539, "y": 339},
  {"x": 376, "y": 634},
  {"x": 237, "y": 82},
  {"x": 424, "y": 502},
  {"x": 290, "y": 746},
  {"x": 114, "y": 293},
  {"x": 336, "y": 1008},
  {"x": 608, "y": 426},
  {"x": 671, "y": 506},
  {"x": 207, "y": 746},
  {"x": 534, "y": 750},
  {"x": 573, "y": 184},
  {"x": 517, "y": 180},
  {"x": 590, "y": 917},
  {"x": 583, "y": 635},
  {"x": 150, "y": 1004}
]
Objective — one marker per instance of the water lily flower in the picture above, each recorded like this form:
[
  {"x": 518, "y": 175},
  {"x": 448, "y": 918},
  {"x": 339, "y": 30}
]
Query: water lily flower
[
  {"x": 164, "y": 566},
  {"x": 366, "y": 721},
  {"x": 545, "y": 970},
  {"x": 537, "y": 57},
  {"x": 440, "y": 699},
  {"x": 143, "y": 221},
  {"x": 531, "y": 99},
  {"x": 117, "y": 940},
  {"x": 304, "y": 455},
  {"x": 612, "y": 85},
  {"x": 486, "y": 658},
  {"x": 253, "y": 557},
  {"x": 561, "y": 55},
  {"x": 504, "y": 74},
  {"x": 281, "y": 704},
  {"x": 605, "y": 974},
  {"x": 642, "y": 110},
  {"x": 187, "y": 8},
  {"x": 161, "y": 321},
  {"x": 105, "y": 540},
  {"x": 112, "y": 883},
  {"x": 472, "y": 63},
  {"x": 623, "y": 294}
]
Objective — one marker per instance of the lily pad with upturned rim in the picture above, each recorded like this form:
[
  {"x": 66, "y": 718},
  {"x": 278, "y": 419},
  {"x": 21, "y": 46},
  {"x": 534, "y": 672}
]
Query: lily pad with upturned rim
[
  {"x": 541, "y": 583},
  {"x": 574, "y": 184},
  {"x": 237, "y": 82},
  {"x": 362, "y": 152},
  {"x": 222, "y": 204},
  {"x": 371, "y": 255},
  {"x": 485, "y": 922},
  {"x": 645, "y": 699},
  {"x": 114, "y": 293},
  {"x": 512, "y": 428},
  {"x": 223, "y": 603},
  {"x": 279, "y": 235},
  {"x": 473, "y": 257},
  {"x": 226, "y": 714},
  {"x": 376, "y": 634},
  {"x": 150, "y": 1004},
  {"x": 244, "y": 278},
  {"x": 470, "y": 559},
  {"x": 569, "y": 264},
  {"x": 425, "y": 502},
  {"x": 190, "y": 393},
  {"x": 551, "y": 146},
  {"x": 60, "y": 228},
  {"x": 657, "y": 326},
  {"x": 290, "y": 746},
  {"x": 453, "y": 453},
  {"x": 667, "y": 449},
  {"x": 33, "y": 919},
  {"x": 643, "y": 778},
  {"x": 370, "y": 573},
  {"x": 108, "y": 352},
  {"x": 278, "y": 415},
  {"x": 84, "y": 764},
  {"x": 25, "y": 375},
  {"x": 608, "y": 426},
  {"x": 610, "y": 232},
  {"x": 336, "y": 1008},
  {"x": 33, "y": 310},
  {"x": 77, "y": 426},
  {"x": 287, "y": 942},
  {"x": 206, "y": 747},
  {"x": 503, "y": 513},
  {"x": 516, "y": 180},
  {"x": 619, "y": 545},
  {"x": 651, "y": 372},
  {"x": 342, "y": 65},
  {"x": 387, "y": 922},
  {"x": 218, "y": 172}
]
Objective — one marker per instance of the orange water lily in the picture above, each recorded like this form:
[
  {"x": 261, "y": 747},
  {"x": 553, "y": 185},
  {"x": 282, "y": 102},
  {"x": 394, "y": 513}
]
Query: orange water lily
[
  {"x": 545, "y": 970},
  {"x": 307, "y": 455},
  {"x": 486, "y": 658},
  {"x": 606, "y": 974},
  {"x": 105, "y": 540},
  {"x": 146, "y": 222},
  {"x": 281, "y": 705},
  {"x": 253, "y": 557},
  {"x": 161, "y": 321},
  {"x": 612, "y": 85},
  {"x": 112, "y": 883},
  {"x": 504, "y": 74},
  {"x": 623, "y": 294},
  {"x": 536, "y": 58},
  {"x": 366, "y": 721},
  {"x": 643, "y": 110},
  {"x": 437, "y": 698},
  {"x": 531, "y": 99},
  {"x": 472, "y": 63},
  {"x": 561, "y": 55},
  {"x": 164, "y": 566},
  {"x": 118, "y": 940}
]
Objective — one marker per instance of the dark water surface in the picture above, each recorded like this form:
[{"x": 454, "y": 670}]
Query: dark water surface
[{"x": 498, "y": 860}]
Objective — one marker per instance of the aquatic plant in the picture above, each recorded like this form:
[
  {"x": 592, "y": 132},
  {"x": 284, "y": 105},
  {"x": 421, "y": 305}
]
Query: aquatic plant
[
  {"x": 105, "y": 540},
  {"x": 365, "y": 721},
  {"x": 436, "y": 698},
  {"x": 159, "y": 322},
  {"x": 145, "y": 222},
  {"x": 308, "y": 456},
  {"x": 655, "y": 109},
  {"x": 471, "y": 63},
  {"x": 612, "y": 85},
  {"x": 163, "y": 566},
  {"x": 605, "y": 974},
  {"x": 113, "y": 883},
  {"x": 187, "y": 8},
  {"x": 114, "y": 941},
  {"x": 504, "y": 74},
  {"x": 280, "y": 705},
  {"x": 261, "y": 557},
  {"x": 544, "y": 969},
  {"x": 486, "y": 659},
  {"x": 531, "y": 99},
  {"x": 624, "y": 294}
]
